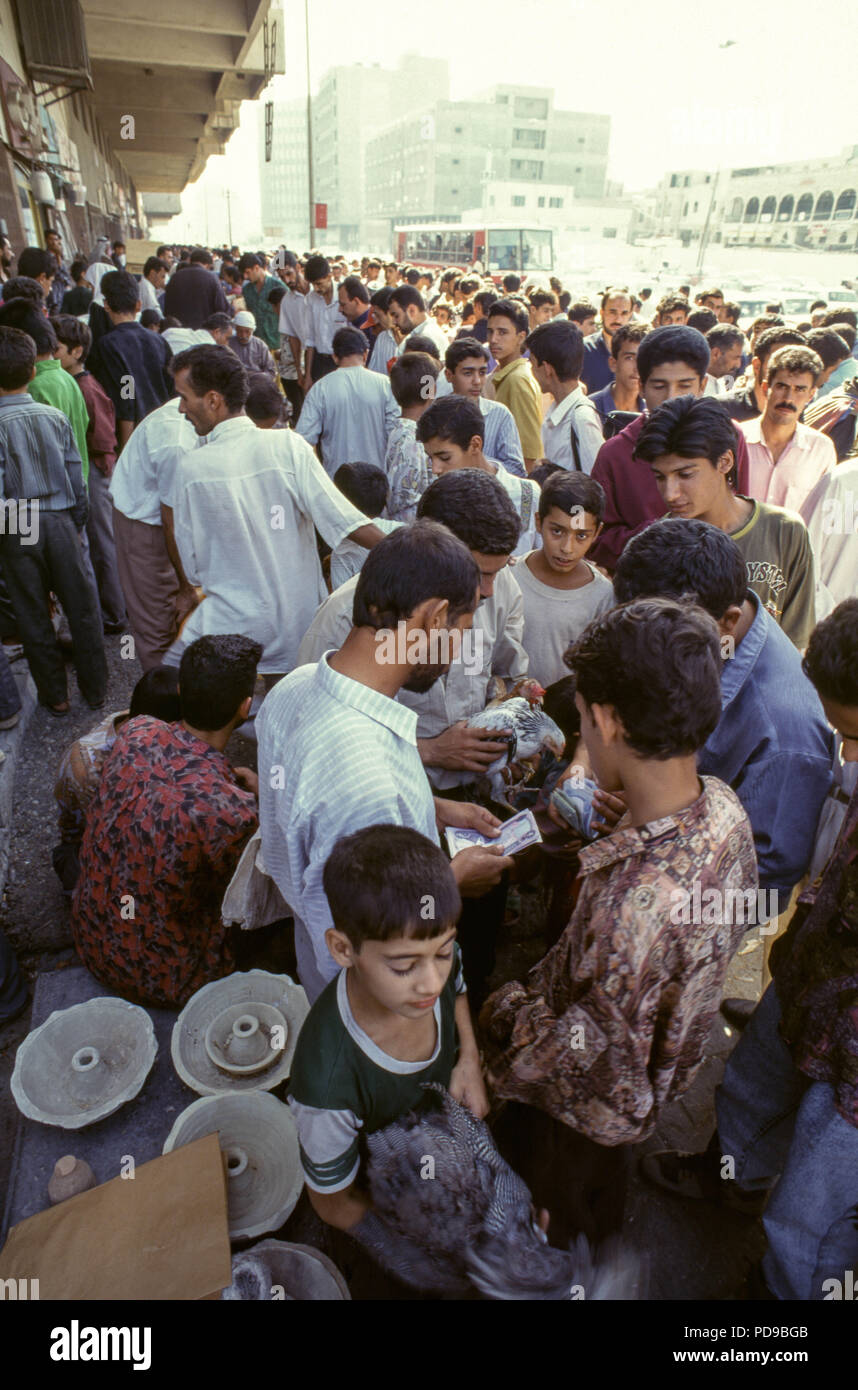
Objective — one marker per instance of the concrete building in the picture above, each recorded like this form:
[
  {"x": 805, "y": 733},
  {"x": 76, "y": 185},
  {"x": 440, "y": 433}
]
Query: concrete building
[
  {"x": 812, "y": 203},
  {"x": 434, "y": 164},
  {"x": 352, "y": 103},
  {"x": 99, "y": 106}
]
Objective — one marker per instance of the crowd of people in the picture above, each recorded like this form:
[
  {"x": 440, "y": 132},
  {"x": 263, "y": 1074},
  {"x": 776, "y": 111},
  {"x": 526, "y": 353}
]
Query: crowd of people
[{"x": 405, "y": 527}]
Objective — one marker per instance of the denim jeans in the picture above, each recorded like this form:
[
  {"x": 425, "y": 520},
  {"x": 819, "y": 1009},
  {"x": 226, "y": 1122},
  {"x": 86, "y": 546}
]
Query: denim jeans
[{"x": 782, "y": 1128}]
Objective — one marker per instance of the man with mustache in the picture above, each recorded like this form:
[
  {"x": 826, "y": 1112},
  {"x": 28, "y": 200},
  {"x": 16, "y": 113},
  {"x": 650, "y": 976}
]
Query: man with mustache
[{"x": 787, "y": 459}]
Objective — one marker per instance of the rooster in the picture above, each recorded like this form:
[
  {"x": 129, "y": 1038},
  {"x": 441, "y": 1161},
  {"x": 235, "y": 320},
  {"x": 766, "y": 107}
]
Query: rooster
[
  {"x": 468, "y": 1223},
  {"x": 531, "y": 732}
]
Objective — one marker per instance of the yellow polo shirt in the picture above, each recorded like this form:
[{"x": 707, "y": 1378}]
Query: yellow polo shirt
[{"x": 516, "y": 388}]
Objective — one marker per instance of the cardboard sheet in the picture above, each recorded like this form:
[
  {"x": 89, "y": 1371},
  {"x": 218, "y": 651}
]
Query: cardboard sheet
[{"x": 162, "y": 1234}]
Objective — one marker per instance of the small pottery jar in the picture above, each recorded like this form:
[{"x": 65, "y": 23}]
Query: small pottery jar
[{"x": 70, "y": 1176}]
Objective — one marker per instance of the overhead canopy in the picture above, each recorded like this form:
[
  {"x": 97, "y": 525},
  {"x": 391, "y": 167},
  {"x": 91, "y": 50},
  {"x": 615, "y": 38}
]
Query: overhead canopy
[{"x": 181, "y": 69}]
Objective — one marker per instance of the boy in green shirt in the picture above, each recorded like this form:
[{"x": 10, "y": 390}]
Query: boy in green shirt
[
  {"x": 395, "y": 1018},
  {"x": 690, "y": 443},
  {"x": 51, "y": 385}
]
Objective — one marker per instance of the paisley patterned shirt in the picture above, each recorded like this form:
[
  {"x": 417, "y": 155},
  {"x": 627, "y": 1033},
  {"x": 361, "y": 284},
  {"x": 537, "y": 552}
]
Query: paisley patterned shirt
[
  {"x": 612, "y": 1024},
  {"x": 164, "y": 833}
]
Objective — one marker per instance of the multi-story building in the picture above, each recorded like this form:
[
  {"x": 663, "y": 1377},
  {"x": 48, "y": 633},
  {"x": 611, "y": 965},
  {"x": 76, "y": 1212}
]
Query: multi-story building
[
  {"x": 435, "y": 163},
  {"x": 811, "y": 203},
  {"x": 352, "y": 103}
]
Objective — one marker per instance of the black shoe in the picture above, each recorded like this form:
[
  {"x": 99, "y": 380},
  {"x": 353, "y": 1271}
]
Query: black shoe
[
  {"x": 738, "y": 1011},
  {"x": 698, "y": 1177}
]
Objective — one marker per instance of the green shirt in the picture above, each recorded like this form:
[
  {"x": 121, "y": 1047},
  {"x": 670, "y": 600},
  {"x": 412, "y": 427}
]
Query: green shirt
[
  {"x": 266, "y": 316},
  {"x": 53, "y": 386},
  {"x": 343, "y": 1084},
  {"x": 779, "y": 560}
]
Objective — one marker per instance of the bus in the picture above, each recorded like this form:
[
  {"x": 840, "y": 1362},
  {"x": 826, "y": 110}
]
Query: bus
[{"x": 499, "y": 249}]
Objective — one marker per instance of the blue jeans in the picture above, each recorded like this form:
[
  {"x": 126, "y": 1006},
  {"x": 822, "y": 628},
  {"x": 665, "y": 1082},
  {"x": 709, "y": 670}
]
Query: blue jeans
[{"x": 782, "y": 1128}]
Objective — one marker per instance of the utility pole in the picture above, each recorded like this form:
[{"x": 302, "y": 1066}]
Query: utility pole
[
  {"x": 312, "y": 207},
  {"x": 229, "y": 215}
]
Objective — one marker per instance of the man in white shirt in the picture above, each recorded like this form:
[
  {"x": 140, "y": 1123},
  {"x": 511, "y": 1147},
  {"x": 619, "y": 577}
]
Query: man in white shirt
[
  {"x": 831, "y": 515},
  {"x": 216, "y": 329},
  {"x": 152, "y": 281},
  {"x": 452, "y": 431},
  {"x": 572, "y": 430},
  {"x": 324, "y": 317},
  {"x": 385, "y": 346},
  {"x": 293, "y": 328},
  {"x": 241, "y": 517},
  {"x": 786, "y": 459},
  {"x": 351, "y": 412},
  {"x": 408, "y": 313},
  {"x": 338, "y": 752},
  {"x": 726, "y": 346},
  {"x": 155, "y": 601}
]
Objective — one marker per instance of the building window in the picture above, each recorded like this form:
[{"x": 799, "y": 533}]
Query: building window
[
  {"x": 554, "y": 202},
  {"x": 685, "y": 210},
  {"x": 528, "y": 139},
  {"x": 525, "y": 168},
  {"x": 502, "y": 100},
  {"x": 824, "y": 207},
  {"x": 517, "y": 200},
  {"x": 457, "y": 130},
  {"x": 534, "y": 107},
  {"x": 674, "y": 180},
  {"x": 541, "y": 202},
  {"x": 695, "y": 207}
]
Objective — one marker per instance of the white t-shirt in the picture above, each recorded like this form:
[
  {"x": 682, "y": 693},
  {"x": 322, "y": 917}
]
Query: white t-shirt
[
  {"x": 143, "y": 476},
  {"x": 555, "y": 617},
  {"x": 524, "y": 494}
]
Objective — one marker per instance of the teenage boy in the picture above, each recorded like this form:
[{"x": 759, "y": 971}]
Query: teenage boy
[
  {"x": 452, "y": 431},
  {"x": 43, "y": 487},
  {"x": 562, "y": 592},
  {"x": 130, "y": 353},
  {"x": 772, "y": 744},
  {"x": 623, "y": 393},
  {"x": 409, "y": 472},
  {"x": 583, "y": 314},
  {"x": 466, "y": 364},
  {"x": 616, "y": 309},
  {"x": 787, "y": 459},
  {"x": 512, "y": 382},
  {"x": 168, "y": 825},
  {"x": 256, "y": 289},
  {"x": 384, "y": 347},
  {"x": 671, "y": 362},
  {"x": 338, "y": 752},
  {"x": 75, "y": 341},
  {"x": 365, "y": 486},
  {"x": 571, "y": 431},
  {"x": 324, "y": 318},
  {"x": 612, "y": 1025},
  {"x": 747, "y": 399},
  {"x": 689, "y": 443},
  {"x": 788, "y": 1106},
  {"x": 349, "y": 413},
  {"x": 394, "y": 1019},
  {"x": 671, "y": 309},
  {"x": 50, "y": 385}
]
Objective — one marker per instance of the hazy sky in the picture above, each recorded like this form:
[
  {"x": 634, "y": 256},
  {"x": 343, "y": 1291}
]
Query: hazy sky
[{"x": 783, "y": 90}]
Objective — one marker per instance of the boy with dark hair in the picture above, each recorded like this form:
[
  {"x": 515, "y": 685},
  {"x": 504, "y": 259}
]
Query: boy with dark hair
[
  {"x": 466, "y": 364},
  {"x": 74, "y": 343},
  {"x": 452, "y": 432},
  {"x": 671, "y": 309},
  {"x": 78, "y": 298},
  {"x": 772, "y": 744},
  {"x": 50, "y": 385},
  {"x": 571, "y": 431},
  {"x": 413, "y": 378},
  {"x": 38, "y": 265},
  {"x": 265, "y": 404},
  {"x": 562, "y": 592},
  {"x": 168, "y": 825},
  {"x": 583, "y": 314},
  {"x": 323, "y": 317},
  {"x": 788, "y": 1106},
  {"x": 511, "y": 284},
  {"x": 837, "y": 360},
  {"x": 44, "y": 492},
  {"x": 384, "y": 346},
  {"x": 512, "y": 381},
  {"x": 611, "y": 1026},
  {"x": 407, "y": 309},
  {"x": 702, "y": 320},
  {"x": 366, "y": 487},
  {"x": 394, "y": 1019},
  {"x": 128, "y": 354},
  {"x": 671, "y": 362},
  {"x": 623, "y": 393},
  {"x": 690, "y": 445}
]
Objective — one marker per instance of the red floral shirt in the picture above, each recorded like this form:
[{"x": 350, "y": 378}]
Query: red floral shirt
[{"x": 164, "y": 834}]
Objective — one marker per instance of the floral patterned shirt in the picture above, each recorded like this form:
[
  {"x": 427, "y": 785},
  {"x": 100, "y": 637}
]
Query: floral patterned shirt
[
  {"x": 612, "y": 1024},
  {"x": 164, "y": 834},
  {"x": 408, "y": 470}
]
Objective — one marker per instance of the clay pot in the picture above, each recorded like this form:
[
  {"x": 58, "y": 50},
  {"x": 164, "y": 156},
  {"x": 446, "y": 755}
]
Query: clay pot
[{"x": 70, "y": 1176}]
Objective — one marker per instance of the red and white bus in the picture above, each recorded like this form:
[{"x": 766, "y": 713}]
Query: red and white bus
[{"x": 499, "y": 249}]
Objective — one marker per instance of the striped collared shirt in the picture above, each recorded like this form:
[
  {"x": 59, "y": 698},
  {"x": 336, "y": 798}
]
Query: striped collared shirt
[
  {"x": 334, "y": 756},
  {"x": 38, "y": 455}
]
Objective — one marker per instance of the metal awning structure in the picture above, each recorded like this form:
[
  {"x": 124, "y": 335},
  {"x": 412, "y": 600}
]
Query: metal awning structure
[{"x": 181, "y": 69}]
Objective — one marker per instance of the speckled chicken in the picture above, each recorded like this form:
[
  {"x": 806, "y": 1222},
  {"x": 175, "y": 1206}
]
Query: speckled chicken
[
  {"x": 533, "y": 733},
  {"x": 466, "y": 1219}
]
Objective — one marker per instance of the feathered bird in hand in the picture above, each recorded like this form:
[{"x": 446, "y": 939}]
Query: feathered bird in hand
[
  {"x": 467, "y": 1221},
  {"x": 532, "y": 733}
]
